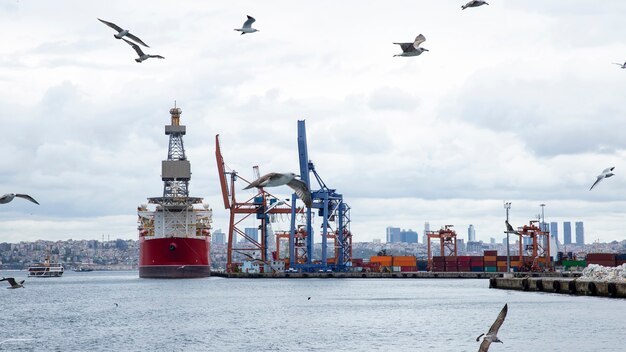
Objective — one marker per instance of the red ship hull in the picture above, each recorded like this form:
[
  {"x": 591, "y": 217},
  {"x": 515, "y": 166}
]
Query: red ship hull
[{"x": 174, "y": 257}]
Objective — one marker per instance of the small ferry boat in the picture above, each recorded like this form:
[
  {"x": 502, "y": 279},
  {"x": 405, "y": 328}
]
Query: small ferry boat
[
  {"x": 83, "y": 268},
  {"x": 46, "y": 269}
]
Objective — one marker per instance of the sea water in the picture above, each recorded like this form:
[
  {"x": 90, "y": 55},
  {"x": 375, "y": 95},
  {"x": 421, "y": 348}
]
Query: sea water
[{"x": 118, "y": 311}]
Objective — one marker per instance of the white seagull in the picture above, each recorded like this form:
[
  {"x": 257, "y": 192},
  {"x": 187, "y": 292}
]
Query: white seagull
[
  {"x": 123, "y": 33},
  {"x": 412, "y": 49},
  {"x": 620, "y": 65},
  {"x": 474, "y": 3},
  {"x": 9, "y": 197},
  {"x": 142, "y": 56},
  {"x": 274, "y": 179},
  {"x": 606, "y": 173},
  {"x": 492, "y": 335},
  {"x": 12, "y": 282},
  {"x": 247, "y": 26}
]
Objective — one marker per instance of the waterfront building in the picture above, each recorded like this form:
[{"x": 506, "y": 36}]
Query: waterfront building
[
  {"x": 567, "y": 233},
  {"x": 580, "y": 233}
]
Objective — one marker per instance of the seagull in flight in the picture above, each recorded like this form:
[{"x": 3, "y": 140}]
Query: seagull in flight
[
  {"x": 274, "y": 179},
  {"x": 9, "y": 197},
  {"x": 412, "y": 49},
  {"x": 142, "y": 56},
  {"x": 246, "y": 28},
  {"x": 123, "y": 32},
  {"x": 474, "y": 3},
  {"x": 620, "y": 65},
  {"x": 509, "y": 228},
  {"x": 606, "y": 173},
  {"x": 491, "y": 336},
  {"x": 13, "y": 283}
]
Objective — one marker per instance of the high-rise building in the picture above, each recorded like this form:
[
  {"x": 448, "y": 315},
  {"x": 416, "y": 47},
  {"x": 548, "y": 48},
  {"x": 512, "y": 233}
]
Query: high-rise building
[
  {"x": 408, "y": 236},
  {"x": 580, "y": 233},
  {"x": 425, "y": 234},
  {"x": 554, "y": 231},
  {"x": 471, "y": 233},
  {"x": 567, "y": 232},
  {"x": 252, "y": 232},
  {"x": 394, "y": 235},
  {"x": 218, "y": 238}
]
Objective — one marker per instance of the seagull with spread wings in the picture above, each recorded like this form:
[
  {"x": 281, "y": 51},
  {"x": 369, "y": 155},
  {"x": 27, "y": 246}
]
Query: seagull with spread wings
[
  {"x": 123, "y": 32},
  {"x": 606, "y": 173},
  {"x": 247, "y": 26},
  {"x": 12, "y": 282},
  {"x": 412, "y": 49},
  {"x": 10, "y": 196},
  {"x": 274, "y": 179},
  {"x": 620, "y": 65},
  {"x": 474, "y": 3},
  {"x": 142, "y": 56},
  {"x": 492, "y": 335}
]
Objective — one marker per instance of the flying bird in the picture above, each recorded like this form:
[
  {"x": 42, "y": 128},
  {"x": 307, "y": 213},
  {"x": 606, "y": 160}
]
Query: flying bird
[
  {"x": 412, "y": 49},
  {"x": 142, "y": 56},
  {"x": 474, "y": 3},
  {"x": 620, "y": 65},
  {"x": 246, "y": 28},
  {"x": 13, "y": 283},
  {"x": 606, "y": 173},
  {"x": 123, "y": 33},
  {"x": 491, "y": 336},
  {"x": 9, "y": 197},
  {"x": 274, "y": 179},
  {"x": 509, "y": 228}
]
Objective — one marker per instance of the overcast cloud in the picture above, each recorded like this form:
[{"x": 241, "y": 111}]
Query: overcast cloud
[{"x": 515, "y": 101}]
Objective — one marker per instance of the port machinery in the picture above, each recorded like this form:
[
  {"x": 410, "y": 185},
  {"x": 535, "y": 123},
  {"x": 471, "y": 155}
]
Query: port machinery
[
  {"x": 327, "y": 203},
  {"x": 538, "y": 249},
  {"x": 447, "y": 242}
]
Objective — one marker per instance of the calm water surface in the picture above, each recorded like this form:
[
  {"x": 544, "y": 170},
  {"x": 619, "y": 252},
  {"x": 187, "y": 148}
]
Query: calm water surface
[{"x": 77, "y": 313}]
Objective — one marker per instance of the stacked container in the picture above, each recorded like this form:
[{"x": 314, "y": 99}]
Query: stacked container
[
  {"x": 463, "y": 263},
  {"x": 620, "y": 259},
  {"x": 439, "y": 264},
  {"x": 451, "y": 263},
  {"x": 477, "y": 264},
  {"x": 490, "y": 261}
]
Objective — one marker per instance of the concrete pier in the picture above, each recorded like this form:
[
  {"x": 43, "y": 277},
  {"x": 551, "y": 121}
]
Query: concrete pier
[
  {"x": 370, "y": 275},
  {"x": 572, "y": 286}
]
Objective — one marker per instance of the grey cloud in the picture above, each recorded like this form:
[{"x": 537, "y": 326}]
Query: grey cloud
[{"x": 392, "y": 99}]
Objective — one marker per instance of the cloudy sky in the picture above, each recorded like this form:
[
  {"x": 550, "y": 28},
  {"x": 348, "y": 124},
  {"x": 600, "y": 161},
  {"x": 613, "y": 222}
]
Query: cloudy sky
[{"x": 515, "y": 101}]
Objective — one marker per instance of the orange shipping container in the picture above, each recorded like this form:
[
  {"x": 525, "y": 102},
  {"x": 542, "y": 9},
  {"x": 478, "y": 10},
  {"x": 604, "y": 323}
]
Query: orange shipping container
[
  {"x": 382, "y": 260},
  {"x": 408, "y": 260},
  {"x": 490, "y": 258}
]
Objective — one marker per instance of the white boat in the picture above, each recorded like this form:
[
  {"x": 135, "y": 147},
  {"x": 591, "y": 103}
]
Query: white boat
[{"x": 46, "y": 269}]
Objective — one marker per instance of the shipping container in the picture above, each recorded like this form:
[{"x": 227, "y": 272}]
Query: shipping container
[
  {"x": 382, "y": 260},
  {"x": 408, "y": 260},
  {"x": 408, "y": 268},
  {"x": 490, "y": 258},
  {"x": 491, "y": 269}
]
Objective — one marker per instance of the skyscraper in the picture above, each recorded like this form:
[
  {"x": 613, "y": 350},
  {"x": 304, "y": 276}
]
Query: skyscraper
[
  {"x": 554, "y": 231},
  {"x": 425, "y": 234},
  {"x": 580, "y": 233},
  {"x": 393, "y": 235},
  {"x": 408, "y": 236},
  {"x": 218, "y": 237},
  {"x": 252, "y": 232},
  {"x": 471, "y": 233},
  {"x": 567, "y": 232}
]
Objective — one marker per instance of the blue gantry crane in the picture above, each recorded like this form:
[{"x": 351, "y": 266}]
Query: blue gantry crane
[{"x": 335, "y": 214}]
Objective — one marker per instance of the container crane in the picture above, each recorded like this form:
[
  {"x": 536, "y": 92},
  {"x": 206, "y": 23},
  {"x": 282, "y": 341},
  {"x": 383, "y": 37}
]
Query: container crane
[{"x": 335, "y": 214}]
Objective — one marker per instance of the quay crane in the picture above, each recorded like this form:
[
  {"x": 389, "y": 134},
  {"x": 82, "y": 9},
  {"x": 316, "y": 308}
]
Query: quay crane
[
  {"x": 447, "y": 240},
  {"x": 335, "y": 214},
  {"x": 261, "y": 206}
]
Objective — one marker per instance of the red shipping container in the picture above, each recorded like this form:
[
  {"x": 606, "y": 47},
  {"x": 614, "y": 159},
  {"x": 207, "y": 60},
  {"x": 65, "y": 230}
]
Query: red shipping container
[
  {"x": 489, "y": 263},
  {"x": 408, "y": 268}
]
